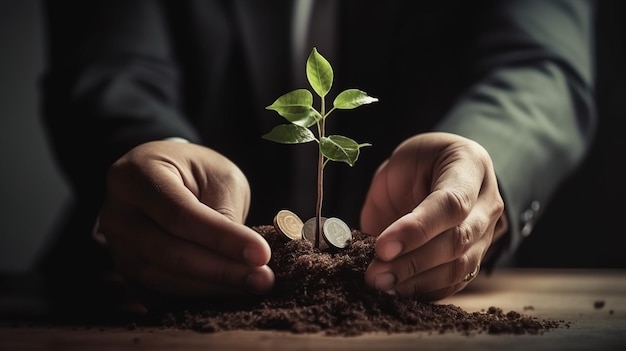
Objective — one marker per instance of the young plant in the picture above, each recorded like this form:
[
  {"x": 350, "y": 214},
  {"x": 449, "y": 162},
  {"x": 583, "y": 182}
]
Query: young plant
[{"x": 297, "y": 108}]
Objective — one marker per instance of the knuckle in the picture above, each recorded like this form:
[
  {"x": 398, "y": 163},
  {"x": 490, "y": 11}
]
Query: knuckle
[
  {"x": 498, "y": 206},
  {"x": 228, "y": 213},
  {"x": 462, "y": 237},
  {"x": 420, "y": 228},
  {"x": 413, "y": 267},
  {"x": 458, "y": 203},
  {"x": 459, "y": 268},
  {"x": 417, "y": 288}
]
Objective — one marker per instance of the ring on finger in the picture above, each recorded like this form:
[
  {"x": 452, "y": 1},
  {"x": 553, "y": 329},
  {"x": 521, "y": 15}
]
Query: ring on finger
[{"x": 471, "y": 275}]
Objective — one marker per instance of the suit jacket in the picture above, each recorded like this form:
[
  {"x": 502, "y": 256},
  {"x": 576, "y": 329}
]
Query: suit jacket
[{"x": 516, "y": 76}]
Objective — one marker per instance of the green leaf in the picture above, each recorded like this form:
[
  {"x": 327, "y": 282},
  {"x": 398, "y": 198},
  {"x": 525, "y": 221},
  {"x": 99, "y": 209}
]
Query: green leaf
[
  {"x": 352, "y": 98},
  {"x": 296, "y": 107},
  {"x": 340, "y": 148},
  {"x": 290, "y": 134},
  {"x": 319, "y": 73}
]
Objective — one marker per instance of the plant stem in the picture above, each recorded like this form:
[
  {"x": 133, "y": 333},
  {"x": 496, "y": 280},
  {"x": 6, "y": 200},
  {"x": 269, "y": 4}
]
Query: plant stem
[
  {"x": 320, "y": 178},
  {"x": 320, "y": 195}
]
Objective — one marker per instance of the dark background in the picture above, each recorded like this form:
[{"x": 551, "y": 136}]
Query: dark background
[{"x": 583, "y": 226}]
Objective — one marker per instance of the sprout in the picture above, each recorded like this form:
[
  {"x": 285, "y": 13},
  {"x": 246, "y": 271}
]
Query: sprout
[{"x": 297, "y": 108}]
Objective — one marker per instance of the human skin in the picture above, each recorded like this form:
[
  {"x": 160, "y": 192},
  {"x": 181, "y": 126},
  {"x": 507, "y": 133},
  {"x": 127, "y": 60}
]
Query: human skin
[
  {"x": 434, "y": 205},
  {"x": 173, "y": 221}
]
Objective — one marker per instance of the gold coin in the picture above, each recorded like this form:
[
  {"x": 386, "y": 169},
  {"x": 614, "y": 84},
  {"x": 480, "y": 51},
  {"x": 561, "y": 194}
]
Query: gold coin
[
  {"x": 288, "y": 224},
  {"x": 337, "y": 233},
  {"x": 308, "y": 232}
]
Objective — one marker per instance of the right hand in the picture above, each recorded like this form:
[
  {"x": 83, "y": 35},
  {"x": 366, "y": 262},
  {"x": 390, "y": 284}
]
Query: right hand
[
  {"x": 436, "y": 209},
  {"x": 173, "y": 221}
]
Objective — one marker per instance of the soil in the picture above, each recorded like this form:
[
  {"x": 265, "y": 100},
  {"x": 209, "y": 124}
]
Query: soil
[{"x": 324, "y": 292}]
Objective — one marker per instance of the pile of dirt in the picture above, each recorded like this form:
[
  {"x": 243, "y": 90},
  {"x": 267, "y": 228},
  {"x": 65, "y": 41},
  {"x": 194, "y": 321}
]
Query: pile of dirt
[{"x": 324, "y": 292}]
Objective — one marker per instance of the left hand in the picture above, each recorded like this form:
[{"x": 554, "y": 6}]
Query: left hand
[{"x": 434, "y": 205}]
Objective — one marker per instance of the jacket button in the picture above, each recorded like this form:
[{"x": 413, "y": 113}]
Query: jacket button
[{"x": 528, "y": 218}]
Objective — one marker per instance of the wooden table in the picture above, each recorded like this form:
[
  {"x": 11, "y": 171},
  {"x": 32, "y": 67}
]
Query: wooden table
[{"x": 569, "y": 295}]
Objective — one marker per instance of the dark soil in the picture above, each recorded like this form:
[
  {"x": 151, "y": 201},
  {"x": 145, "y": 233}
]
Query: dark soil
[{"x": 324, "y": 292}]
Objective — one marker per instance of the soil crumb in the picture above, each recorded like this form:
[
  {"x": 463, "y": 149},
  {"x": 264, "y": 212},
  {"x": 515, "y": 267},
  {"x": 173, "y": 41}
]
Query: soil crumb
[{"x": 324, "y": 292}]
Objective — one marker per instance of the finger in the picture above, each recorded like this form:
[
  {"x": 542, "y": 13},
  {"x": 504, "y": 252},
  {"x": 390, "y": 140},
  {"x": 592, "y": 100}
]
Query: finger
[
  {"x": 378, "y": 209},
  {"x": 141, "y": 239},
  {"x": 178, "y": 211},
  {"x": 454, "y": 194},
  {"x": 474, "y": 232},
  {"x": 237, "y": 279},
  {"x": 440, "y": 281}
]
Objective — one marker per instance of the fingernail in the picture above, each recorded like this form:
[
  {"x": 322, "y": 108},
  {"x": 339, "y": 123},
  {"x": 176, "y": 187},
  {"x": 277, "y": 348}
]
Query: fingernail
[
  {"x": 391, "y": 250},
  {"x": 384, "y": 281}
]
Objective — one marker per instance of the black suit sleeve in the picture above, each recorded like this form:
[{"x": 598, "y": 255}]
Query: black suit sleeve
[
  {"x": 111, "y": 83},
  {"x": 532, "y": 106}
]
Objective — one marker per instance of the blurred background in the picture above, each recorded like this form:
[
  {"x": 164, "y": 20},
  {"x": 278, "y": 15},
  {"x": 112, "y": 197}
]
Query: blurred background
[
  {"x": 583, "y": 227},
  {"x": 31, "y": 190}
]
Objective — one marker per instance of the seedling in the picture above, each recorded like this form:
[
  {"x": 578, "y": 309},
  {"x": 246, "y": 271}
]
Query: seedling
[{"x": 297, "y": 108}]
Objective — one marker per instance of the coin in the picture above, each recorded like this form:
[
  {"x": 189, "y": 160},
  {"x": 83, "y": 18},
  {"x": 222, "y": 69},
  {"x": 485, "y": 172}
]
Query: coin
[
  {"x": 308, "y": 232},
  {"x": 288, "y": 224},
  {"x": 337, "y": 233}
]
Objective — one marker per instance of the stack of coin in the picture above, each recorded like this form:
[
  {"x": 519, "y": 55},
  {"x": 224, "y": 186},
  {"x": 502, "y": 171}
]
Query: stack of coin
[
  {"x": 308, "y": 232},
  {"x": 334, "y": 233},
  {"x": 288, "y": 224}
]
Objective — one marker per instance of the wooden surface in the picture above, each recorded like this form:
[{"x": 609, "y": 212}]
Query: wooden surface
[{"x": 568, "y": 295}]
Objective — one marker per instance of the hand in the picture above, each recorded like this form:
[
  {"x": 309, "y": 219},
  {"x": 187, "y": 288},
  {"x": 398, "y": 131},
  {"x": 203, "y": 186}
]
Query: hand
[
  {"x": 173, "y": 221},
  {"x": 434, "y": 205}
]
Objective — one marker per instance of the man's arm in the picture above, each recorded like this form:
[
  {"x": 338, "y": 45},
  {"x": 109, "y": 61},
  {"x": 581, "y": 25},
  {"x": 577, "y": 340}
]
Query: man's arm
[
  {"x": 532, "y": 107},
  {"x": 111, "y": 83}
]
